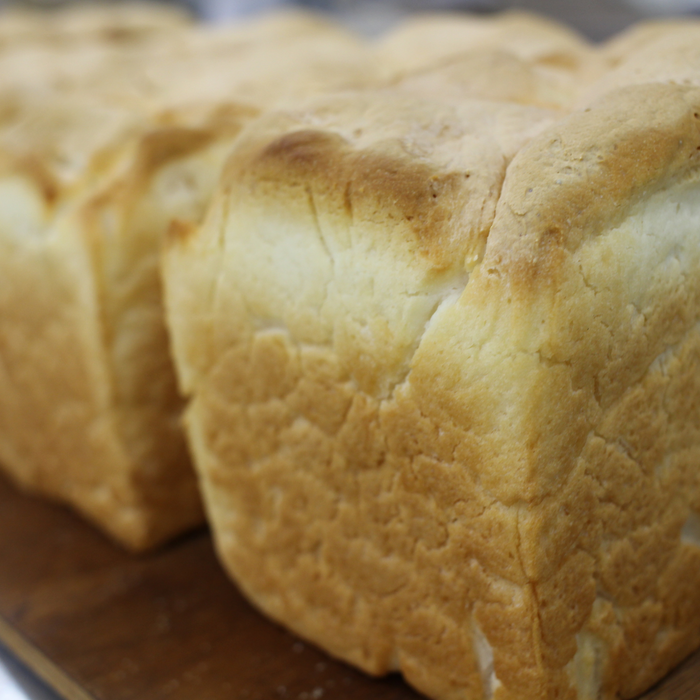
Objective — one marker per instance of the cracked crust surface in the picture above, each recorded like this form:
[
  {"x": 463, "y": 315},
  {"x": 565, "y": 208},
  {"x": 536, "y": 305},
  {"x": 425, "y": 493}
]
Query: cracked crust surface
[{"x": 456, "y": 436}]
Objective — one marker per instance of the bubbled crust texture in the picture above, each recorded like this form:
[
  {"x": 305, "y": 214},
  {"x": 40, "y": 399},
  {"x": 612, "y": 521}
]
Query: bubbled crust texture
[{"x": 527, "y": 484}]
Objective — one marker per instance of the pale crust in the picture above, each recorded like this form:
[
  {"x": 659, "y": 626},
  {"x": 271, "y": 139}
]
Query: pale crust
[
  {"x": 257, "y": 62},
  {"x": 665, "y": 53},
  {"x": 641, "y": 34},
  {"x": 498, "y": 511},
  {"x": 423, "y": 40},
  {"x": 491, "y": 74}
]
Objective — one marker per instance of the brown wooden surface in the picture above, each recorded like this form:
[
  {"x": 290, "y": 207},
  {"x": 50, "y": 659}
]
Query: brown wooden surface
[{"x": 98, "y": 624}]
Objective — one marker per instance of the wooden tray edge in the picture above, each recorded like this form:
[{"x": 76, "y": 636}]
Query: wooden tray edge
[{"x": 37, "y": 662}]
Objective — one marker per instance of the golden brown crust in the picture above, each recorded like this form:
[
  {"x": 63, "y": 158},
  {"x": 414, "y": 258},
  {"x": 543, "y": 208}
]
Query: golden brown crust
[
  {"x": 366, "y": 149},
  {"x": 371, "y": 147},
  {"x": 588, "y": 169},
  {"x": 336, "y": 396},
  {"x": 66, "y": 448},
  {"x": 328, "y": 160},
  {"x": 439, "y": 350},
  {"x": 140, "y": 203}
]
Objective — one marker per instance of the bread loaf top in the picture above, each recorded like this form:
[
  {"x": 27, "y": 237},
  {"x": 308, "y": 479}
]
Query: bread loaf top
[
  {"x": 75, "y": 112},
  {"x": 428, "y": 39},
  {"x": 587, "y": 170},
  {"x": 667, "y": 53}
]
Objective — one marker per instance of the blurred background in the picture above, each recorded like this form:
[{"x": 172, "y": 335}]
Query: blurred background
[{"x": 596, "y": 19}]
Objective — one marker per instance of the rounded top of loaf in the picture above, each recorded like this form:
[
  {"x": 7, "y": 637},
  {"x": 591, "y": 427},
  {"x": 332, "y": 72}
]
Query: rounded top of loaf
[
  {"x": 659, "y": 53},
  {"x": 586, "y": 171},
  {"x": 619, "y": 47},
  {"x": 431, "y": 171},
  {"x": 424, "y": 40}
]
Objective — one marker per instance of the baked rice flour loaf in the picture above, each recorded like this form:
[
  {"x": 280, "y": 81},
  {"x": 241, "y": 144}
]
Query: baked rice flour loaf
[
  {"x": 443, "y": 368},
  {"x": 89, "y": 411},
  {"x": 657, "y": 52}
]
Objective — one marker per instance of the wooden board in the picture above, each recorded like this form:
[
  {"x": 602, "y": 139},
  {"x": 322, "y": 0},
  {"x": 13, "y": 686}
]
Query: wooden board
[{"x": 98, "y": 624}]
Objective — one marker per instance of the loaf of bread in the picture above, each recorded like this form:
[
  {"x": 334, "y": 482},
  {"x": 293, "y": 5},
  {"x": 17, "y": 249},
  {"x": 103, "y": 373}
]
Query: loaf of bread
[
  {"x": 425, "y": 40},
  {"x": 442, "y": 358},
  {"x": 662, "y": 52},
  {"x": 92, "y": 176}
]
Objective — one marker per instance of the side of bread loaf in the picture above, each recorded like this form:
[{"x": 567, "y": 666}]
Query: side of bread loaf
[{"x": 122, "y": 225}]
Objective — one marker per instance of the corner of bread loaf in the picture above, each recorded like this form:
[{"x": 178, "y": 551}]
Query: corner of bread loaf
[
  {"x": 587, "y": 170},
  {"x": 587, "y": 290}
]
